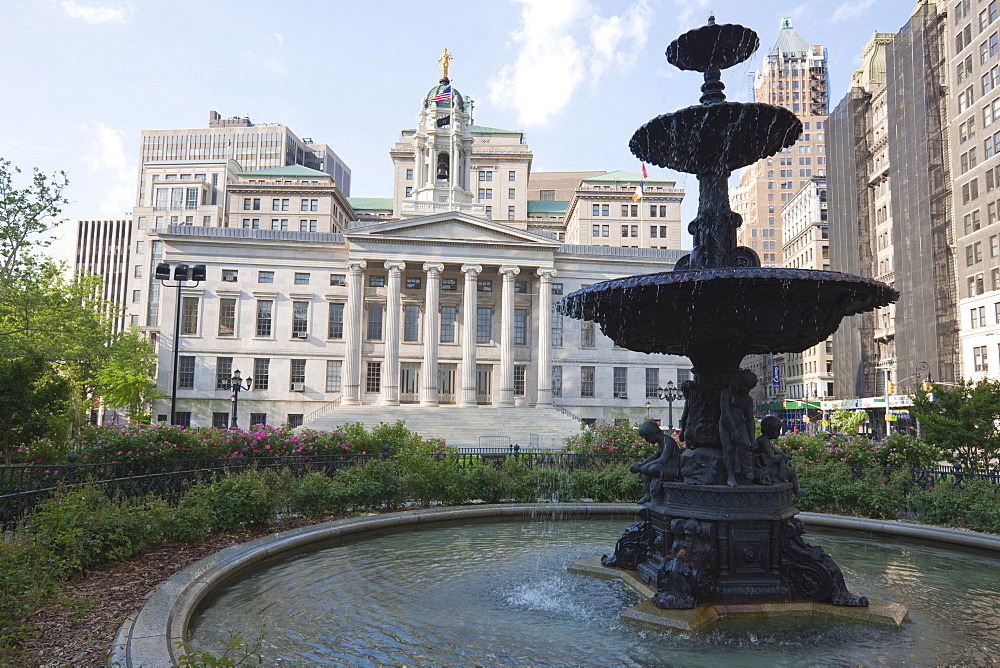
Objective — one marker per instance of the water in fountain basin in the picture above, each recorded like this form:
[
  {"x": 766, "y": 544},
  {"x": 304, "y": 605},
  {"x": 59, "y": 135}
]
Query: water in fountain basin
[{"x": 498, "y": 594}]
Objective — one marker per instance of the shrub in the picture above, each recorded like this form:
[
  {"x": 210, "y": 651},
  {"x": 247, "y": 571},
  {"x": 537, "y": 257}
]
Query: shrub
[
  {"x": 194, "y": 517},
  {"x": 618, "y": 439},
  {"x": 486, "y": 483},
  {"x": 244, "y": 499}
]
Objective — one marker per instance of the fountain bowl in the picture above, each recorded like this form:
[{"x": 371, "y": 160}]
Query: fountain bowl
[{"x": 741, "y": 310}]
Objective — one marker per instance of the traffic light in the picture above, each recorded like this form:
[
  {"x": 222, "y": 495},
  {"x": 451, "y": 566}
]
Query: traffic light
[{"x": 892, "y": 388}]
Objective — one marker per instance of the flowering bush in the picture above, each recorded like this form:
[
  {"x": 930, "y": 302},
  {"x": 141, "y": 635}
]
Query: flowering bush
[
  {"x": 898, "y": 450},
  {"x": 159, "y": 443},
  {"x": 605, "y": 439}
]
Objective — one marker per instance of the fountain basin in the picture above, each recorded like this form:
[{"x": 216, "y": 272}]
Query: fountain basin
[
  {"x": 734, "y": 310},
  {"x": 947, "y": 630}
]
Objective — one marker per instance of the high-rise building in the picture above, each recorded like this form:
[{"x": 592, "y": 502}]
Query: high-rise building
[
  {"x": 890, "y": 190},
  {"x": 103, "y": 248},
  {"x": 793, "y": 76}
]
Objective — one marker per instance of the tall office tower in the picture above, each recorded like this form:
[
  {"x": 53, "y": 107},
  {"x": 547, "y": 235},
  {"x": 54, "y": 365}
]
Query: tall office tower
[
  {"x": 794, "y": 76},
  {"x": 973, "y": 51},
  {"x": 890, "y": 193},
  {"x": 102, "y": 248}
]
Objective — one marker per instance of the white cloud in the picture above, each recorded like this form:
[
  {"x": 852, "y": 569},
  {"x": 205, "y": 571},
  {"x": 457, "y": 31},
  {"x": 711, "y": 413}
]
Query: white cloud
[
  {"x": 691, "y": 14},
  {"x": 270, "y": 57},
  {"x": 107, "y": 156},
  {"x": 560, "y": 40},
  {"x": 93, "y": 15},
  {"x": 851, "y": 9}
]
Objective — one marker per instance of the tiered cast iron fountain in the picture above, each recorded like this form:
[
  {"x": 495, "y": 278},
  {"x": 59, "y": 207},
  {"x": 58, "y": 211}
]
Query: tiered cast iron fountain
[{"x": 718, "y": 523}]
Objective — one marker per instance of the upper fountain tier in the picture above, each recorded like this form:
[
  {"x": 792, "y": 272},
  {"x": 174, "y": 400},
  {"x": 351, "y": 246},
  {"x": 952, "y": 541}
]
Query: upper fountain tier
[{"x": 715, "y": 137}]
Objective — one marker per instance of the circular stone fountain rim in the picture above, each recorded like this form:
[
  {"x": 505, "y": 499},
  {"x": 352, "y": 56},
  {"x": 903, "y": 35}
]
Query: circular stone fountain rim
[{"x": 149, "y": 639}]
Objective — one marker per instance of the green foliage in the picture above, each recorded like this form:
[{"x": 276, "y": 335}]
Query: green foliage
[
  {"x": 124, "y": 378},
  {"x": 195, "y": 514},
  {"x": 897, "y": 451},
  {"x": 847, "y": 422},
  {"x": 248, "y": 498},
  {"x": 33, "y": 403},
  {"x": 620, "y": 438},
  {"x": 486, "y": 483},
  {"x": 962, "y": 421},
  {"x": 238, "y": 652},
  {"x": 314, "y": 494}
]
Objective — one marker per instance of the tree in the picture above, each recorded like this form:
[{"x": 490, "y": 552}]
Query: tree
[
  {"x": 962, "y": 421},
  {"x": 124, "y": 378},
  {"x": 25, "y": 213},
  {"x": 844, "y": 421},
  {"x": 33, "y": 402}
]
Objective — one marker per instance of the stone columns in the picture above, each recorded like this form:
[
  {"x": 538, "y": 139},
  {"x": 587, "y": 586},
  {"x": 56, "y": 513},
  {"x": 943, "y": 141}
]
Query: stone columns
[
  {"x": 545, "y": 336},
  {"x": 393, "y": 308},
  {"x": 352, "y": 333},
  {"x": 506, "y": 389},
  {"x": 467, "y": 396},
  {"x": 432, "y": 318}
]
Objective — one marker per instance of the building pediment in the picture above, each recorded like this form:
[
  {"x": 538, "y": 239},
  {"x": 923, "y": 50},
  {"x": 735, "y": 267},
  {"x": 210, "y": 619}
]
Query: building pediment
[{"x": 447, "y": 228}]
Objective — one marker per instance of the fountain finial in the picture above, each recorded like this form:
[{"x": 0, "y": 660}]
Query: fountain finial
[{"x": 711, "y": 19}]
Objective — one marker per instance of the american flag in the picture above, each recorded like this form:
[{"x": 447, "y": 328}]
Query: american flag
[{"x": 443, "y": 95}]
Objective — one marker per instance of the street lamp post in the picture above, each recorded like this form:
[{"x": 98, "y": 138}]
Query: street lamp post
[
  {"x": 236, "y": 384},
  {"x": 670, "y": 394},
  {"x": 182, "y": 273}
]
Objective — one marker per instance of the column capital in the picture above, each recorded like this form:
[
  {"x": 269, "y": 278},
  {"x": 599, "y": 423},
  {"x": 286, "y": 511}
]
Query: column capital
[
  {"x": 394, "y": 265},
  {"x": 472, "y": 270},
  {"x": 433, "y": 267},
  {"x": 546, "y": 272},
  {"x": 512, "y": 270},
  {"x": 356, "y": 265}
]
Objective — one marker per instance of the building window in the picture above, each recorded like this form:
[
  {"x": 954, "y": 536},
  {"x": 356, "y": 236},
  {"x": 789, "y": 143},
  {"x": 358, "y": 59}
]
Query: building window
[
  {"x": 484, "y": 325},
  {"x": 301, "y": 278},
  {"x": 265, "y": 308},
  {"x": 586, "y": 381},
  {"x": 510, "y": 193},
  {"x": 605, "y": 230},
  {"x": 265, "y": 277},
  {"x": 411, "y": 323},
  {"x": 220, "y": 420},
  {"x": 557, "y": 328},
  {"x": 376, "y": 281},
  {"x": 261, "y": 372},
  {"x": 448, "y": 316},
  {"x": 556, "y": 381},
  {"x": 338, "y": 280},
  {"x": 521, "y": 326},
  {"x": 546, "y": 195},
  {"x": 557, "y": 288},
  {"x": 227, "y": 317},
  {"x": 595, "y": 230},
  {"x": 510, "y": 213},
  {"x": 652, "y": 383},
  {"x": 489, "y": 213},
  {"x": 136, "y": 296},
  {"x": 182, "y": 419},
  {"x": 304, "y": 205},
  {"x": 409, "y": 175},
  {"x": 521, "y": 287},
  {"x": 605, "y": 209},
  {"x": 300, "y": 320},
  {"x": 511, "y": 176},
  {"x": 223, "y": 372},
  {"x": 258, "y": 419},
  {"x": 980, "y": 359},
  {"x": 297, "y": 373},
  {"x": 484, "y": 285},
  {"x": 308, "y": 225},
  {"x": 333, "y": 375},
  {"x": 373, "y": 379},
  {"x": 185, "y": 372},
  {"x": 449, "y": 284},
  {"x": 595, "y": 210},
  {"x": 374, "y": 322},
  {"x": 587, "y": 337},
  {"x": 189, "y": 316},
  {"x": 620, "y": 386},
  {"x": 520, "y": 371},
  {"x": 335, "y": 325},
  {"x": 137, "y": 271},
  {"x": 294, "y": 420}
]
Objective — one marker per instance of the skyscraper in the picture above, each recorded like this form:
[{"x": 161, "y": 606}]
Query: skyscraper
[{"x": 794, "y": 76}]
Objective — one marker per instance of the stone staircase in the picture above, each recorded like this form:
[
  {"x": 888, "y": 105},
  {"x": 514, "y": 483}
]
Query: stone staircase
[{"x": 460, "y": 427}]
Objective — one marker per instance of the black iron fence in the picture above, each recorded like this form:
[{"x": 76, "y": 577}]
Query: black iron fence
[{"x": 25, "y": 486}]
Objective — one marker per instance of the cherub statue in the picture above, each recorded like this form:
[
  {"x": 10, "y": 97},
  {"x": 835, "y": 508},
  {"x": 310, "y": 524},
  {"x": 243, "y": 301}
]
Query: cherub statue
[
  {"x": 659, "y": 466},
  {"x": 770, "y": 464},
  {"x": 737, "y": 426}
]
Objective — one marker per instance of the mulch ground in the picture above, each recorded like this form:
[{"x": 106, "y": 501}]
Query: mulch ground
[{"x": 79, "y": 628}]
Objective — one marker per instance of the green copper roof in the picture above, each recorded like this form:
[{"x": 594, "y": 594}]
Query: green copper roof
[
  {"x": 445, "y": 104},
  {"x": 790, "y": 43},
  {"x": 547, "y": 206},
  {"x": 486, "y": 130},
  {"x": 287, "y": 170},
  {"x": 621, "y": 176},
  {"x": 370, "y": 203}
]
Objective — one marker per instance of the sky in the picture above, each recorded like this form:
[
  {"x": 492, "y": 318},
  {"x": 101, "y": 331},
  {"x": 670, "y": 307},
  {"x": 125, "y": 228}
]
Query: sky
[{"x": 81, "y": 79}]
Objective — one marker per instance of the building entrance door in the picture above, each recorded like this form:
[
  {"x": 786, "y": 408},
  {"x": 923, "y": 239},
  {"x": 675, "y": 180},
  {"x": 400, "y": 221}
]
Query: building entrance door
[
  {"x": 446, "y": 383},
  {"x": 484, "y": 384},
  {"x": 409, "y": 382}
]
